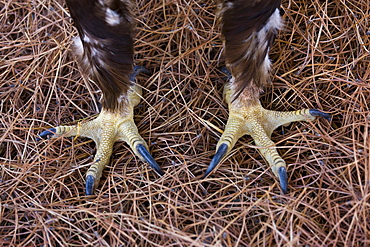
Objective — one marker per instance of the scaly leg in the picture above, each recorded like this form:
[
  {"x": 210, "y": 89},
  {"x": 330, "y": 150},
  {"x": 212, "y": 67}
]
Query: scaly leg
[
  {"x": 104, "y": 50},
  {"x": 248, "y": 29},
  {"x": 105, "y": 130},
  {"x": 250, "y": 118}
]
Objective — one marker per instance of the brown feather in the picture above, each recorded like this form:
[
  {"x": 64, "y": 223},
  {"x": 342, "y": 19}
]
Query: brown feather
[
  {"x": 248, "y": 34},
  {"x": 105, "y": 49}
]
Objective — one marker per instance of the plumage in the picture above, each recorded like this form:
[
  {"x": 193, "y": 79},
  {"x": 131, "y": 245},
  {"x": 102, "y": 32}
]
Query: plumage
[
  {"x": 104, "y": 48},
  {"x": 248, "y": 29}
]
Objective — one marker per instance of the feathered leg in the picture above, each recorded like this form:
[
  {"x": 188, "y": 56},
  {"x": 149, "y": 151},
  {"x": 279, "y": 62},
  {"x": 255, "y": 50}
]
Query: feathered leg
[
  {"x": 248, "y": 30},
  {"x": 104, "y": 50}
]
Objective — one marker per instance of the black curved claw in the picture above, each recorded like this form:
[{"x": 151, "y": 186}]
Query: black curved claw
[
  {"x": 138, "y": 70},
  {"x": 226, "y": 72},
  {"x": 46, "y": 133},
  {"x": 149, "y": 158},
  {"x": 89, "y": 187},
  {"x": 318, "y": 113},
  {"x": 221, "y": 151},
  {"x": 283, "y": 177}
]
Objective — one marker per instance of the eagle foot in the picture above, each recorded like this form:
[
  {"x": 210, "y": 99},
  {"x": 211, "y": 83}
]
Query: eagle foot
[
  {"x": 248, "y": 117},
  {"x": 110, "y": 126}
]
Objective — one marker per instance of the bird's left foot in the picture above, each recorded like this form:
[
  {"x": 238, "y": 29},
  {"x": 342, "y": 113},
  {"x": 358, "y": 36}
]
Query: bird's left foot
[
  {"x": 248, "y": 117},
  {"x": 105, "y": 130}
]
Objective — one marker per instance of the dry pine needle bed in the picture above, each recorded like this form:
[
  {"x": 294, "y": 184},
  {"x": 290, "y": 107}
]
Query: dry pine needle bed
[{"x": 321, "y": 60}]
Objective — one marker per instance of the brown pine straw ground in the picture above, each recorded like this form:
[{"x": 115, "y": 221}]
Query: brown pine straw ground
[{"x": 321, "y": 60}]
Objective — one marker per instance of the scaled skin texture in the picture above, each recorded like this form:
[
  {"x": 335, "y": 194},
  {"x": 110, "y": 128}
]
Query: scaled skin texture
[
  {"x": 248, "y": 30},
  {"x": 105, "y": 130},
  {"x": 105, "y": 52},
  {"x": 248, "y": 117}
]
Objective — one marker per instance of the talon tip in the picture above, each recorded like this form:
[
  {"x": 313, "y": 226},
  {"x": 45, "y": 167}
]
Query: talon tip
[
  {"x": 149, "y": 158},
  {"x": 221, "y": 151},
  {"x": 138, "y": 70},
  {"x": 283, "y": 177},
  {"x": 46, "y": 133},
  {"x": 226, "y": 72},
  {"x": 90, "y": 182},
  {"x": 318, "y": 113}
]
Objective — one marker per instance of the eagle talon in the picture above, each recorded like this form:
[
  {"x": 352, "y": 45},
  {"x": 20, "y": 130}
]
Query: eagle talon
[
  {"x": 226, "y": 72},
  {"x": 46, "y": 133},
  {"x": 149, "y": 158},
  {"x": 138, "y": 70},
  {"x": 318, "y": 113},
  {"x": 90, "y": 185},
  {"x": 283, "y": 177},
  {"x": 221, "y": 151}
]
